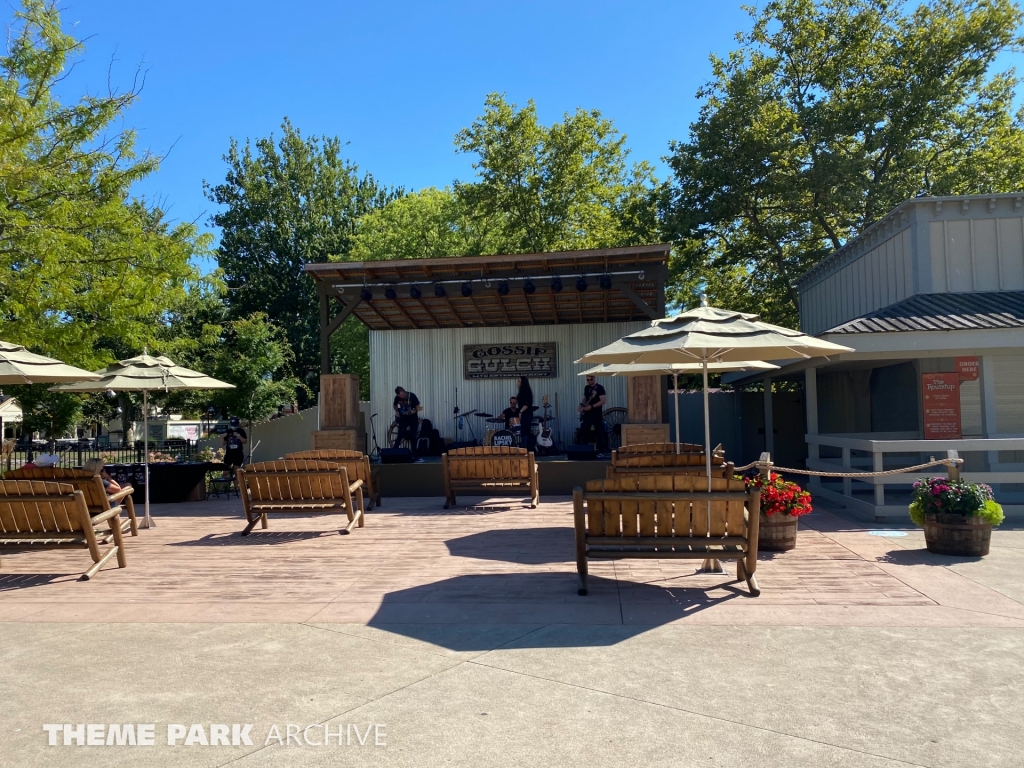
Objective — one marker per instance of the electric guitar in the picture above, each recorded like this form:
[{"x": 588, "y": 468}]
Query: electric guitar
[{"x": 544, "y": 438}]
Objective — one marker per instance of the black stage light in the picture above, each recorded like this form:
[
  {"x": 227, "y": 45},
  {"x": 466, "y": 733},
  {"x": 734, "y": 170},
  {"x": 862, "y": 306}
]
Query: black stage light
[
  {"x": 439, "y": 291},
  {"x": 606, "y": 283},
  {"x": 581, "y": 284},
  {"x": 415, "y": 292},
  {"x": 389, "y": 293},
  {"x": 467, "y": 290},
  {"x": 365, "y": 294},
  {"x": 556, "y": 285},
  {"x": 503, "y": 288},
  {"x": 529, "y": 287}
]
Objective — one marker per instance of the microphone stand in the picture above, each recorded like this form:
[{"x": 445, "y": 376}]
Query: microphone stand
[{"x": 375, "y": 455}]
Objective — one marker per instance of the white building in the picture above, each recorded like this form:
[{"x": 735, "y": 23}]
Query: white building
[{"x": 931, "y": 298}]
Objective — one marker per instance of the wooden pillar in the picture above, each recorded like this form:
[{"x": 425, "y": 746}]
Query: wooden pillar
[
  {"x": 325, "y": 334},
  {"x": 769, "y": 421},
  {"x": 643, "y": 400},
  {"x": 811, "y": 404}
]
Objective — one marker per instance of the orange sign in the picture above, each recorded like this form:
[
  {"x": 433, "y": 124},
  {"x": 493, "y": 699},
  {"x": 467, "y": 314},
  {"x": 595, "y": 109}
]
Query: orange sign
[
  {"x": 941, "y": 395},
  {"x": 968, "y": 367}
]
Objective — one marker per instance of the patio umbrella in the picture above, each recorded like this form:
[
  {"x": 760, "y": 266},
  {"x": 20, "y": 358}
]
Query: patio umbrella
[
  {"x": 144, "y": 374},
  {"x": 708, "y": 335},
  {"x": 673, "y": 370},
  {"x": 19, "y": 366}
]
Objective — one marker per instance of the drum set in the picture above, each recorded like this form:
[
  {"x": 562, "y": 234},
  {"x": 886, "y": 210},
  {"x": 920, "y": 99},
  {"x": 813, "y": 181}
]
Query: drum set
[{"x": 510, "y": 435}]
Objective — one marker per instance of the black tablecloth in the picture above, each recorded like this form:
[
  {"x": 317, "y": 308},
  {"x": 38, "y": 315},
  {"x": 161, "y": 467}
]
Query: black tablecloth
[{"x": 168, "y": 482}]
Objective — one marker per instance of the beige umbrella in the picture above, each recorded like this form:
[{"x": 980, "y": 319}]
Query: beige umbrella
[
  {"x": 674, "y": 370},
  {"x": 708, "y": 335},
  {"x": 19, "y": 366},
  {"x": 143, "y": 374}
]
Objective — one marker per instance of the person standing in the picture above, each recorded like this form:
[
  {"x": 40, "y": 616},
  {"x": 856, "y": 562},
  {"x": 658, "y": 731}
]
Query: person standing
[
  {"x": 406, "y": 405},
  {"x": 234, "y": 441},
  {"x": 524, "y": 401},
  {"x": 591, "y": 412}
]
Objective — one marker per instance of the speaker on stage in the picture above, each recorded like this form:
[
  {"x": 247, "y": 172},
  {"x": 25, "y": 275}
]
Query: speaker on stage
[
  {"x": 396, "y": 456},
  {"x": 581, "y": 452},
  {"x": 466, "y": 444}
]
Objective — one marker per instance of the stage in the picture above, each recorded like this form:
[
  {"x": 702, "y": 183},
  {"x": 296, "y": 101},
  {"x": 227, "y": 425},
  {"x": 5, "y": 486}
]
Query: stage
[{"x": 558, "y": 476}]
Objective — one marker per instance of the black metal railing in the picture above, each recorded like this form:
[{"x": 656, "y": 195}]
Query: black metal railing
[{"x": 74, "y": 454}]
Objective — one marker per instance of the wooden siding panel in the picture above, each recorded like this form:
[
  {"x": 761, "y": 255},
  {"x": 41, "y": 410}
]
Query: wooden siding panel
[
  {"x": 986, "y": 262},
  {"x": 1011, "y": 254},
  {"x": 937, "y": 235},
  {"x": 958, "y": 256}
]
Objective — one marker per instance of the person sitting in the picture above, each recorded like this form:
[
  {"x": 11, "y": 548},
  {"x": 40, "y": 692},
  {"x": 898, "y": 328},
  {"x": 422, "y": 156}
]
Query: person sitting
[
  {"x": 95, "y": 465},
  {"x": 510, "y": 413}
]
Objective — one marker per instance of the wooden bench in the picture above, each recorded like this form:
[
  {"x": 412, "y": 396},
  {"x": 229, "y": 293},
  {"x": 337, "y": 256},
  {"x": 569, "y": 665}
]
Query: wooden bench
[
  {"x": 356, "y": 462},
  {"x": 299, "y": 485},
  {"x": 658, "y": 458},
  {"x": 667, "y": 517},
  {"x": 35, "y": 513},
  {"x": 91, "y": 485},
  {"x": 490, "y": 469}
]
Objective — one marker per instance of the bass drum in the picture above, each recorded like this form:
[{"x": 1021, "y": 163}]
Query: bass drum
[
  {"x": 504, "y": 438},
  {"x": 488, "y": 436}
]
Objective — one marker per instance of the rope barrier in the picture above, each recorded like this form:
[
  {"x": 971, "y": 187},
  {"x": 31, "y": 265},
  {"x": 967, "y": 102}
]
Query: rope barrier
[{"x": 815, "y": 473}]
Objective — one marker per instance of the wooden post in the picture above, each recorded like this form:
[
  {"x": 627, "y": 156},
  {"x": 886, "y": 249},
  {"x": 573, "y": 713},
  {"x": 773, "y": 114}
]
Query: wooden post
[
  {"x": 580, "y": 527},
  {"x": 769, "y": 418},
  {"x": 878, "y": 465},
  {"x": 953, "y": 470},
  {"x": 847, "y": 486},
  {"x": 811, "y": 405}
]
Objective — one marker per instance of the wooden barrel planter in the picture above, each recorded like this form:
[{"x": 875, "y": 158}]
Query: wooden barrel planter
[
  {"x": 957, "y": 535},
  {"x": 777, "y": 533}
]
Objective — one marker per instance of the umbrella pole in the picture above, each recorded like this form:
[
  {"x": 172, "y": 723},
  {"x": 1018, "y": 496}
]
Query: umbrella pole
[
  {"x": 675, "y": 394},
  {"x": 711, "y": 565},
  {"x": 148, "y": 523}
]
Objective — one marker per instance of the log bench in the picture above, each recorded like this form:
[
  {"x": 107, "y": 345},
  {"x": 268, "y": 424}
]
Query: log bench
[
  {"x": 660, "y": 458},
  {"x": 356, "y": 462},
  {"x": 96, "y": 497},
  {"x": 302, "y": 486},
  {"x": 490, "y": 469},
  {"x": 36, "y": 513},
  {"x": 667, "y": 517}
]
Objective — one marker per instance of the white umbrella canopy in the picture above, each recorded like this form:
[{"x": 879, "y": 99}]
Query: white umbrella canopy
[
  {"x": 708, "y": 335},
  {"x": 19, "y": 366},
  {"x": 145, "y": 373},
  {"x": 674, "y": 370},
  {"x": 713, "y": 335}
]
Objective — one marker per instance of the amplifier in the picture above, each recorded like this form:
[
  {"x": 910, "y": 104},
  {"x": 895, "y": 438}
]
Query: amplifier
[
  {"x": 581, "y": 452},
  {"x": 396, "y": 456}
]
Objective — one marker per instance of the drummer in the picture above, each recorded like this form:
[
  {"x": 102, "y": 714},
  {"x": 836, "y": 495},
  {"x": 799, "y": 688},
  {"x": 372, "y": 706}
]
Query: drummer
[{"x": 511, "y": 414}]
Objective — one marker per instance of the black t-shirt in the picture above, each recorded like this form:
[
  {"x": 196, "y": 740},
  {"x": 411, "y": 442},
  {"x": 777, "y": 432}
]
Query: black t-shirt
[
  {"x": 591, "y": 394},
  {"x": 231, "y": 438},
  {"x": 405, "y": 407},
  {"x": 511, "y": 413}
]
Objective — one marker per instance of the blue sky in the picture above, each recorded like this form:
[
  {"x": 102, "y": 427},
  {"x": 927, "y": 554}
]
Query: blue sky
[{"x": 396, "y": 80}]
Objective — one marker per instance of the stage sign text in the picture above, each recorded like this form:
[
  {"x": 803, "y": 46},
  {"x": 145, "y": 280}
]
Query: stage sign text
[{"x": 505, "y": 361}]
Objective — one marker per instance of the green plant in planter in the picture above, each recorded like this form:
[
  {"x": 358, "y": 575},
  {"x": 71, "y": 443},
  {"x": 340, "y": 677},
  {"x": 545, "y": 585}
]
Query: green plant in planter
[{"x": 940, "y": 495}]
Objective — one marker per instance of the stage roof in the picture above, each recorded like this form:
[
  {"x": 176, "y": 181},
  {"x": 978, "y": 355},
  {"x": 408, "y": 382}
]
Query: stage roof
[{"x": 428, "y": 293}]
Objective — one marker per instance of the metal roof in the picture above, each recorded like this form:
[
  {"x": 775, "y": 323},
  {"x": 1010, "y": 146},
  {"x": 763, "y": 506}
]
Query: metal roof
[
  {"x": 504, "y": 290},
  {"x": 942, "y": 312}
]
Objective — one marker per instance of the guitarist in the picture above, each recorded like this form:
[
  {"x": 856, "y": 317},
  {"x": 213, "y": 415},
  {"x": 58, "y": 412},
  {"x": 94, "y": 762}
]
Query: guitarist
[
  {"x": 406, "y": 405},
  {"x": 591, "y": 418}
]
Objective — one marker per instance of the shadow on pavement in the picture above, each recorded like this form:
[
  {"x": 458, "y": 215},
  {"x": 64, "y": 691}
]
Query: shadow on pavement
[
  {"x": 529, "y": 546},
  {"x": 465, "y": 613}
]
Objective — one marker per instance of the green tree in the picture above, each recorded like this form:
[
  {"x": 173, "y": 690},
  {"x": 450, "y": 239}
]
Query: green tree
[
  {"x": 81, "y": 259},
  {"x": 828, "y": 115},
  {"x": 287, "y": 203},
  {"x": 53, "y": 414},
  {"x": 256, "y": 358},
  {"x": 564, "y": 186}
]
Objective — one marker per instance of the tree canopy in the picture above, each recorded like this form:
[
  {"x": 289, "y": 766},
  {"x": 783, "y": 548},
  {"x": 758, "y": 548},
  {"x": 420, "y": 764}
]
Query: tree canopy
[
  {"x": 827, "y": 116},
  {"x": 82, "y": 259},
  {"x": 287, "y": 202}
]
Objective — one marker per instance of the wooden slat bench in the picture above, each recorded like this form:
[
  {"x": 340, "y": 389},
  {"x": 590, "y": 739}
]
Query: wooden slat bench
[
  {"x": 657, "y": 458},
  {"x": 490, "y": 469},
  {"x": 667, "y": 517},
  {"x": 91, "y": 485},
  {"x": 35, "y": 513},
  {"x": 356, "y": 462},
  {"x": 299, "y": 486}
]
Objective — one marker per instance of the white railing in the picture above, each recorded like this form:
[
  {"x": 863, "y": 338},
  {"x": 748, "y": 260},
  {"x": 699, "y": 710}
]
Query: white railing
[{"x": 873, "y": 458}]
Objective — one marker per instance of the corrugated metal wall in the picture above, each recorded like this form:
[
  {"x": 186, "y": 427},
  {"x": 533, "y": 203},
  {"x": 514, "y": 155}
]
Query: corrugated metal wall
[{"x": 429, "y": 363}]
